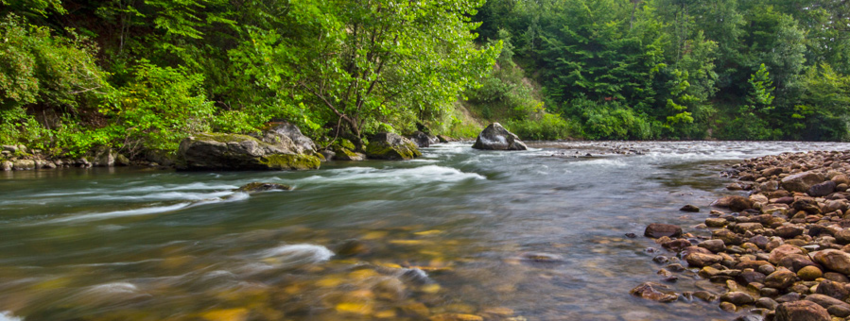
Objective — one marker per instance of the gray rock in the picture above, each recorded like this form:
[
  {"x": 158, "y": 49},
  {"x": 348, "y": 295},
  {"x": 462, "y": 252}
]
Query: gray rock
[
  {"x": 421, "y": 139},
  {"x": 6, "y": 166},
  {"x": 288, "y": 136},
  {"x": 496, "y": 137},
  {"x": 240, "y": 152},
  {"x": 121, "y": 160},
  {"x": 822, "y": 189},
  {"x": 23, "y": 164},
  {"x": 104, "y": 158}
]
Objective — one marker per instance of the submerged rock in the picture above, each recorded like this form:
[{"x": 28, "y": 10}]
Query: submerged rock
[
  {"x": 656, "y": 230},
  {"x": 392, "y": 147},
  {"x": 689, "y": 208},
  {"x": 655, "y": 292},
  {"x": 214, "y": 151},
  {"x": 496, "y": 137},
  {"x": 263, "y": 187}
]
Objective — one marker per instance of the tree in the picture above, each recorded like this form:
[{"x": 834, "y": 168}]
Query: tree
[{"x": 363, "y": 61}]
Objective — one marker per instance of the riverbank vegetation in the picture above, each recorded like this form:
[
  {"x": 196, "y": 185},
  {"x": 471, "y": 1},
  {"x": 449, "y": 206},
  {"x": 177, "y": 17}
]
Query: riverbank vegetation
[{"x": 139, "y": 75}]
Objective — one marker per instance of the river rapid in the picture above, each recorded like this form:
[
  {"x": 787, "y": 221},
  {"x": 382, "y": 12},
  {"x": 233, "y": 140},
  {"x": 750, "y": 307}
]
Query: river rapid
[{"x": 531, "y": 235}]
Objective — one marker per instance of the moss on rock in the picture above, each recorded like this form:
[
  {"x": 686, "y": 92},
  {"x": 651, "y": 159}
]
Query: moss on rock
[
  {"x": 291, "y": 161},
  {"x": 392, "y": 147}
]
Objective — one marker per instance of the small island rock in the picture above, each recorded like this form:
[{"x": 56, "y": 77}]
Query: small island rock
[{"x": 496, "y": 137}]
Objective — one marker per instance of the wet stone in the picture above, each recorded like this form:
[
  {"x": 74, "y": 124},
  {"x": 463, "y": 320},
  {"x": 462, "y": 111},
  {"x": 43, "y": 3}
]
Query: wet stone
[
  {"x": 738, "y": 298},
  {"x": 832, "y": 289},
  {"x": 689, "y": 208},
  {"x": 655, "y": 292},
  {"x": 657, "y": 230}
]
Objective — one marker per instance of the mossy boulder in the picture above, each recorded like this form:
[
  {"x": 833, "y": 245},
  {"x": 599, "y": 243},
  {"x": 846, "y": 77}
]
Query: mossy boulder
[
  {"x": 217, "y": 151},
  {"x": 392, "y": 147}
]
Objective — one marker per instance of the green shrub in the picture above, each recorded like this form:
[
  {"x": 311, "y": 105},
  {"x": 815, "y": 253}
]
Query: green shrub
[
  {"x": 548, "y": 127},
  {"x": 160, "y": 107}
]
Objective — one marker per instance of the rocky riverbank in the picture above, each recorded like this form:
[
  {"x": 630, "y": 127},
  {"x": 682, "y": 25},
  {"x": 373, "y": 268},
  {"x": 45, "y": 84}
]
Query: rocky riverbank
[{"x": 779, "y": 252}]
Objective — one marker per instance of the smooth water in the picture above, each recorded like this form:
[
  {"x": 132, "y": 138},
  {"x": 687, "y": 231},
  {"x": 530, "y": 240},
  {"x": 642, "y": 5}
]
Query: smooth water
[{"x": 456, "y": 231}]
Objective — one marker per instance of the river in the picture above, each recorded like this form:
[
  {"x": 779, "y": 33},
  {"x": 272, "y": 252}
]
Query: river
[{"x": 531, "y": 235}]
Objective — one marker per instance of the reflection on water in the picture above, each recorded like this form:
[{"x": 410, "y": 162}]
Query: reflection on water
[{"x": 459, "y": 233}]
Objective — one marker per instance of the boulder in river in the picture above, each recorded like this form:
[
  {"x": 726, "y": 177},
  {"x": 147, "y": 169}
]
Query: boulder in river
[
  {"x": 392, "y": 147},
  {"x": 216, "y": 151},
  {"x": 496, "y": 137},
  {"x": 263, "y": 187},
  {"x": 421, "y": 139}
]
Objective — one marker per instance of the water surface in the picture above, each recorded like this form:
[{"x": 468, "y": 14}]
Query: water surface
[{"x": 450, "y": 232}]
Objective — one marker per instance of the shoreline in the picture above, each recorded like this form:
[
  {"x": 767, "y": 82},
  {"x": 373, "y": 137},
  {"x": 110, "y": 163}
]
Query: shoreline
[{"x": 779, "y": 250}]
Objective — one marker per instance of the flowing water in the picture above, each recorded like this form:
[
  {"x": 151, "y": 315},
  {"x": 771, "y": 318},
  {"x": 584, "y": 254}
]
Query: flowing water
[{"x": 532, "y": 235}]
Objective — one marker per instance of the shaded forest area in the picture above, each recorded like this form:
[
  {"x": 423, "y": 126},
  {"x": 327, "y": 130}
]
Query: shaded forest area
[{"x": 137, "y": 75}]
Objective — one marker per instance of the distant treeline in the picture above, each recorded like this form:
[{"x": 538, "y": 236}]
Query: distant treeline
[
  {"x": 677, "y": 69},
  {"x": 137, "y": 75}
]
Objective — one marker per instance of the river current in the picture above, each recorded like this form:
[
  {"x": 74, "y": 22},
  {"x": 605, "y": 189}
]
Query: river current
[{"x": 531, "y": 235}]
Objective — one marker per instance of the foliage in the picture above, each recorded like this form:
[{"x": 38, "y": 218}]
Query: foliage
[
  {"x": 159, "y": 108},
  {"x": 548, "y": 127}
]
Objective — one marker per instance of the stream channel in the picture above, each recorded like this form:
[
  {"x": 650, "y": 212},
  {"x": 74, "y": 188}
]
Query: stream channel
[{"x": 531, "y": 235}]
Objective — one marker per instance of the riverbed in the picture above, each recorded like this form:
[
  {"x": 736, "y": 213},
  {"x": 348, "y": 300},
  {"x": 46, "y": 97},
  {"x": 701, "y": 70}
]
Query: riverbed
[{"x": 529, "y": 235}]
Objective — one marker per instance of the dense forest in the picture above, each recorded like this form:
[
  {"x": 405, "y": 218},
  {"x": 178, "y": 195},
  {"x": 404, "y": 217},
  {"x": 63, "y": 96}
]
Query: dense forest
[{"x": 139, "y": 75}]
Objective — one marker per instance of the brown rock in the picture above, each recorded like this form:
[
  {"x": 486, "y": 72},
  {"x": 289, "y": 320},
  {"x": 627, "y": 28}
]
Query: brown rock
[
  {"x": 715, "y": 222},
  {"x": 834, "y": 260},
  {"x": 689, "y": 208},
  {"x": 801, "y": 311},
  {"x": 809, "y": 273},
  {"x": 784, "y": 250},
  {"x": 735, "y": 203},
  {"x": 801, "y": 182},
  {"x": 738, "y": 298},
  {"x": 702, "y": 259},
  {"x": 795, "y": 262},
  {"x": 832, "y": 289},
  {"x": 728, "y": 237},
  {"x": 655, "y": 292},
  {"x": 656, "y": 230},
  {"x": 788, "y": 231},
  {"x": 780, "y": 279},
  {"x": 826, "y": 301},
  {"x": 713, "y": 245},
  {"x": 676, "y": 245}
]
